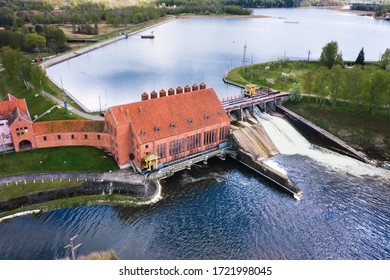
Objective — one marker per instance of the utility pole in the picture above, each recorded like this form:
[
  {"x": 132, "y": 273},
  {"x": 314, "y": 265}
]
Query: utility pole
[
  {"x": 244, "y": 60},
  {"x": 72, "y": 247},
  {"x": 308, "y": 55},
  {"x": 251, "y": 69}
]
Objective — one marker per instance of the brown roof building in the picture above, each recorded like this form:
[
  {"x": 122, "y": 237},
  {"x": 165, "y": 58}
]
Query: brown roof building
[{"x": 170, "y": 127}]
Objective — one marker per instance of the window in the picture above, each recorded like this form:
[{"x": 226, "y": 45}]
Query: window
[
  {"x": 25, "y": 127},
  {"x": 72, "y": 136},
  {"x": 44, "y": 138},
  {"x": 98, "y": 137},
  {"x": 206, "y": 117},
  {"x": 1, "y": 124},
  {"x": 210, "y": 137},
  {"x": 146, "y": 146},
  {"x": 172, "y": 125},
  {"x": 162, "y": 150},
  {"x": 142, "y": 132},
  {"x": 85, "y": 136},
  {"x": 18, "y": 133},
  {"x": 59, "y": 137},
  {"x": 223, "y": 133},
  {"x": 17, "y": 129},
  {"x": 193, "y": 141},
  {"x": 176, "y": 147},
  {"x": 156, "y": 129},
  {"x": 219, "y": 114},
  {"x": 189, "y": 121}
]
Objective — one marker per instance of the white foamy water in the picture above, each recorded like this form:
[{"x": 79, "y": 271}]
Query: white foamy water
[{"x": 289, "y": 141}]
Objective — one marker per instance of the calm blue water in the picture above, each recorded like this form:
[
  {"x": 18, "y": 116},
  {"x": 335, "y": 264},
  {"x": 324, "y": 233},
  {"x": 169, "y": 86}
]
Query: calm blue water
[
  {"x": 187, "y": 51},
  {"x": 223, "y": 211}
]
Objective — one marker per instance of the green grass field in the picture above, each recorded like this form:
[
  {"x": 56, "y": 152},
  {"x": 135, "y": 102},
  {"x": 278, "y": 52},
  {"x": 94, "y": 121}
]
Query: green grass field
[
  {"x": 279, "y": 75},
  {"x": 60, "y": 159}
]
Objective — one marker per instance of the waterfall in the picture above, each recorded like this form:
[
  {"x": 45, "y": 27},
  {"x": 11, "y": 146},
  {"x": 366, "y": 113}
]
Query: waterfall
[{"x": 289, "y": 141}]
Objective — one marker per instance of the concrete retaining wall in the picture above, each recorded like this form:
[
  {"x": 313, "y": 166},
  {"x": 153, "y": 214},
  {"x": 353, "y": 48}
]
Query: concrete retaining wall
[{"x": 322, "y": 136}]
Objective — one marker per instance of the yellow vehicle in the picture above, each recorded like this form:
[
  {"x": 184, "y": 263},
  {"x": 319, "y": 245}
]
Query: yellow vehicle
[{"x": 250, "y": 90}]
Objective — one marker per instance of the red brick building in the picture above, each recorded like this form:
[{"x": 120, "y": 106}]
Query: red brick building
[
  {"x": 70, "y": 133},
  {"x": 167, "y": 128},
  {"x": 146, "y": 134},
  {"x": 15, "y": 124}
]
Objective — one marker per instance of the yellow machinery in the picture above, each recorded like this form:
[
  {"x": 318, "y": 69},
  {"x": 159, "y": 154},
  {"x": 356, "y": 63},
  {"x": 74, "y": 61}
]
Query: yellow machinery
[
  {"x": 151, "y": 162},
  {"x": 250, "y": 90}
]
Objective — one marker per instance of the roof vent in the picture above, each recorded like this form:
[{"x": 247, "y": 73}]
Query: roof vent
[
  {"x": 171, "y": 91},
  {"x": 219, "y": 114},
  {"x": 187, "y": 88},
  {"x": 144, "y": 96},
  {"x": 172, "y": 125},
  {"x": 143, "y": 132},
  {"x": 163, "y": 93},
  {"x": 195, "y": 87},
  {"x": 156, "y": 129},
  {"x": 153, "y": 95},
  {"x": 179, "y": 90},
  {"x": 189, "y": 121},
  {"x": 202, "y": 86},
  {"x": 206, "y": 117}
]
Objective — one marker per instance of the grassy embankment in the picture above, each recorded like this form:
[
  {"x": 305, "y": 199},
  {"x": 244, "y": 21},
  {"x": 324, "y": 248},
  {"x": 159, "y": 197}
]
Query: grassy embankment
[
  {"x": 59, "y": 159},
  {"x": 361, "y": 130},
  {"x": 36, "y": 103},
  {"x": 63, "y": 159}
]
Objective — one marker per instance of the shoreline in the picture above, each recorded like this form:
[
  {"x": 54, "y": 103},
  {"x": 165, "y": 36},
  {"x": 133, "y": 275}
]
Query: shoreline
[
  {"x": 72, "y": 54},
  {"x": 221, "y": 16}
]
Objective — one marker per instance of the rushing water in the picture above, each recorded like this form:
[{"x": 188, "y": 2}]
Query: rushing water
[
  {"x": 187, "y": 51},
  {"x": 223, "y": 210}
]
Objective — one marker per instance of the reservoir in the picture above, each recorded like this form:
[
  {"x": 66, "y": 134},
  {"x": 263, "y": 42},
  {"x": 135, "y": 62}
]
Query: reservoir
[
  {"x": 188, "y": 51},
  {"x": 223, "y": 210}
]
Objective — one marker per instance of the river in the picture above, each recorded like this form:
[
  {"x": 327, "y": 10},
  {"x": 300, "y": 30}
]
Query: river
[{"x": 223, "y": 210}]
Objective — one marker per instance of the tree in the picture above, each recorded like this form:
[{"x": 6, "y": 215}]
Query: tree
[
  {"x": 34, "y": 42},
  {"x": 295, "y": 92},
  {"x": 355, "y": 83},
  {"x": 360, "y": 58},
  {"x": 378, "y": 84},
  {"x": 320, "y": 87},
  {"x": 55, "y": 38},
  {"x": 308, "y": 84},
  {"x": 330, "y": 55},
  {"x": 336, "y": 80},
  {"x": 385, "y": 60}
]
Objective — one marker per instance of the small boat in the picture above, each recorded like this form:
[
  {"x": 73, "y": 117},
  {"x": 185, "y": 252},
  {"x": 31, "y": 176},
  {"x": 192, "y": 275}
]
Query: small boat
[{"x": 149, "y": 36}]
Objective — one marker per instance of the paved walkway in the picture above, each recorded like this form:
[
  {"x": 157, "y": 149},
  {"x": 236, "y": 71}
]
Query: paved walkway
[
  {"x": 73, "y": 109},
  {"x": 123, "y": 176}
]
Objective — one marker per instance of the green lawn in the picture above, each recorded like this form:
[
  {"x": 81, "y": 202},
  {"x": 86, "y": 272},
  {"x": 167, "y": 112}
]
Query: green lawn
[
  {"x": 279, "y": 75},
  {"x": 87, "y": 200},
  {"x": 36, "y": 103},
  {"x": 59, "y": 114},
  {"x": 58, "y": 159},
  {"x": 13, "y": 190}
]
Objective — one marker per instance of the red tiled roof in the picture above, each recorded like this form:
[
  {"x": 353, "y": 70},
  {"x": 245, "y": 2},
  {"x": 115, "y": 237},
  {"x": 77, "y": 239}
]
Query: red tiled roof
[
  {"x": 152, "y": 119},
  {"x": 19, "y": 114},
  {"x": 8, "y": 107},
  {"x": 9, "y": 97},
  {"x": 68, "y": 126}
]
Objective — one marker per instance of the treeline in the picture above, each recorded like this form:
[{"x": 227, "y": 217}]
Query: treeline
[
  {"x": 217, "y": 6},
  {"x": 15, "y": 14},
  {"x": 363, "y": 88},
  {"x": 19, "y": 66},
  {"x": 38, "y": 38},
  {"x": 379, "y": 9}
]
